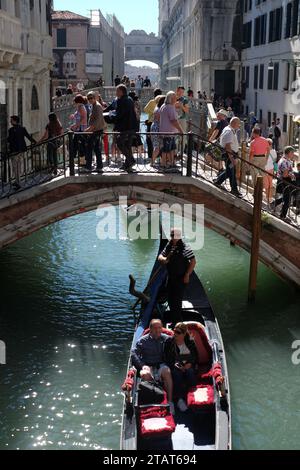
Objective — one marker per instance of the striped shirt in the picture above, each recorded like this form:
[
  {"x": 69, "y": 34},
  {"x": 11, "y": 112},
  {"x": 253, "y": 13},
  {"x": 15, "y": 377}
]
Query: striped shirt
[{"x": 180, "y": 258}]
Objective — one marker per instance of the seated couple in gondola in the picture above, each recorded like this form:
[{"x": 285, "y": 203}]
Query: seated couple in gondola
[{"x": 169, "y": 359}]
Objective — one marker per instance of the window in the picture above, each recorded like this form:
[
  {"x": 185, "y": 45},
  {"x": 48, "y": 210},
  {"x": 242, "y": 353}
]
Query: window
[
  {"x": 273, "y": 77},
  {"x": 288, "y": 24},
  {"x": 275, "y": 28},
  {"x": 269, "y": 119},
  {"x": 260, "y": 116},
  {"x": 285, "y": 123},
  {"x": 148, "y": 49},
  {"x": 261, "y": 77},
  {"x": 247, "y": 77},
  {"x": 276, "y": 76},
  {"x": 247, "y": 35},
  {"x": 256, "y": 69},
  {"x": 260, "y": 30},
  {"x": 61, "y": 38},
  {"x": 34, "y": 99},
  {"x": 287, "y": 77},
  {"x": 295, "y": 17},
  {"x": 247, "y": 5}
]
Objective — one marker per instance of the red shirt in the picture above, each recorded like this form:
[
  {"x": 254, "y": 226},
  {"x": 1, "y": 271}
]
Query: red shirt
[{"x": 259, "y": 146}]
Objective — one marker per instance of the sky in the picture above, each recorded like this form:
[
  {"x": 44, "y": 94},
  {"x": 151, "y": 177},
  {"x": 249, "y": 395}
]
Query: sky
[{"x": 133, "y": 14}]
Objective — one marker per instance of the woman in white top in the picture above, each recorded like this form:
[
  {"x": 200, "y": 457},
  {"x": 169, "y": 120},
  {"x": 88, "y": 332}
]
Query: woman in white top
[{"x": 268, "y": 178}]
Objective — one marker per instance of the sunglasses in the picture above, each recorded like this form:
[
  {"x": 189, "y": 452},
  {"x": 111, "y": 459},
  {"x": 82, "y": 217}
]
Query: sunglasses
[
  {"x": 177, "y": 332},
  {"x": 91, "y": 98}
]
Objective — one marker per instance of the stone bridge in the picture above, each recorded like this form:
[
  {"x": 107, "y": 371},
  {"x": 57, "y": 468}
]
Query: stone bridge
[
  {"x": 28, "y": 211},
  {"x": 142, "y": 46}
]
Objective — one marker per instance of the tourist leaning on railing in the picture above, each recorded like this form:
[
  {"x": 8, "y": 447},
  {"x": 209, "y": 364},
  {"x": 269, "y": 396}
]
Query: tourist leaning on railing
[
  {"x": 96, "y": 126},
  {"x": 259, "y": 151},
  {"x": 149, "y": 109},
  {"x": 287, "y": 181},
  {"x": 17, "y": 145},
  {"x": 169, "y": 124},
  {"x": 80, "y": 125},
  {"x": 52, "y": 130},
  {"x": 126, "y": 124},
  {"x": 155, "y": 129}
]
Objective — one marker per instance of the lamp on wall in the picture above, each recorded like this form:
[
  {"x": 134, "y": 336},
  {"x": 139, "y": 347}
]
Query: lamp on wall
[{"x": 271, "y": 65}]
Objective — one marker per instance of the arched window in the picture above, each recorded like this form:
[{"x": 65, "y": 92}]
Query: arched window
[{"x": 34, "y": 99}]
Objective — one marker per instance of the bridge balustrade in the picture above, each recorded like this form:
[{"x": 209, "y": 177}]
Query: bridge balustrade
[{"x": 195, "y": 157}]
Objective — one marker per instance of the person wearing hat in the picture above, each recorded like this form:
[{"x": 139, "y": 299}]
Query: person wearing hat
[
  {"x": 222, "y": 117},
  {"x": 180, "y": 261}
]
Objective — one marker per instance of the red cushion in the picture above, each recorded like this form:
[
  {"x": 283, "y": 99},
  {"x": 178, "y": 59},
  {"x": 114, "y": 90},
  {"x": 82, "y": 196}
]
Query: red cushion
[
  {"x": 197, "y": 333},
  {"x": 159, "y": 426},
  {"x": 201, "y": 396},
  {"x": 164, "y": 331}
]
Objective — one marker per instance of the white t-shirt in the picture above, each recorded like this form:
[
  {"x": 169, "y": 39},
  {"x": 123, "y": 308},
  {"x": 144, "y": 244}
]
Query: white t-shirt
[
  {"x": 273, "y": 154},
  {"x": 229, "y": 136},
  {"x": 184, "y": 350},
  {"x": 270, "y": 164}
]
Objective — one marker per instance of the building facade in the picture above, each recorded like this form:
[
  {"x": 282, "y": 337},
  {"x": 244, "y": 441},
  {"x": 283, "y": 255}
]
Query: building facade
[
  {"x": 70, "y": 42},
  {"x": 86, "y": 49},
  {"x": 25, "y": 63},
  {"x": 106, "y": 48},
  {"x": 201, "y": 44},
  {"x": 271, "y": 63}
]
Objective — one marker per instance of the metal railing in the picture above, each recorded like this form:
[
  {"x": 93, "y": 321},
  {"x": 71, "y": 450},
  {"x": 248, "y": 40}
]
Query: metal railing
[
  {"x": 193, "y": 156},
  {"x": 40, "y": 163}
]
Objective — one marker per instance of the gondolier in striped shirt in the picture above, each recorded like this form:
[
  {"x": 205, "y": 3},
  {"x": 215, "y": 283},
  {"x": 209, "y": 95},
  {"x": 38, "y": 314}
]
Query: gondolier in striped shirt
[{"x": 180, "y": 262}]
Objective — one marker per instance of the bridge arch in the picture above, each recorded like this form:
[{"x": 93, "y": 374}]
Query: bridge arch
[
  {"x": 60, "y": 199},
  {"x": 142, "y": 46}
]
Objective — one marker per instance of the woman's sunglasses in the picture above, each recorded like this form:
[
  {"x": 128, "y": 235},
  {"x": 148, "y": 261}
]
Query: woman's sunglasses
[{"x": 178, "y": 332}]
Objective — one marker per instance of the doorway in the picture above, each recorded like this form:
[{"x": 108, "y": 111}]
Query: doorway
[{"x": 225, "y": 83}]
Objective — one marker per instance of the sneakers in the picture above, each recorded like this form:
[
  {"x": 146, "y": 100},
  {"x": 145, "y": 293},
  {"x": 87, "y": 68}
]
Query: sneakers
[
  {"x": 181, "y": 405},
  {"x": 172, "y": 408},
  {"x": 237, "y": 194}
]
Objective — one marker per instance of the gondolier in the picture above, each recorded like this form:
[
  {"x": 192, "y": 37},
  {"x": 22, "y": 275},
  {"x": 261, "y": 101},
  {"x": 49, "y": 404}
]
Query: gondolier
[{"x": 180, "y": 261}]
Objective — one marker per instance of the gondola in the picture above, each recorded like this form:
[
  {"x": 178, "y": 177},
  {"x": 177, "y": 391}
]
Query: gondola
[{"x": 207, "y": 423}]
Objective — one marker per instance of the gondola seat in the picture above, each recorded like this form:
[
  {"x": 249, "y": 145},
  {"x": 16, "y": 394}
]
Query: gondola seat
[
  {"x": 198, "y": 334},
  {"x": 156, "y": 420},
  {"x": 202, "y": 396},
  {"x": 157, "y": 426}
]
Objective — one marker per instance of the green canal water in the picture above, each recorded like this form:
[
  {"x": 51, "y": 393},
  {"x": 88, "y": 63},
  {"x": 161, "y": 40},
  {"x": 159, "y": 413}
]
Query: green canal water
[{"x": 66, "y": 321}]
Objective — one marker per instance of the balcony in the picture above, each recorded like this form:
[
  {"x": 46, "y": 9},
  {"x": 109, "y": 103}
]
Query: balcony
[{"x": 10, "y": 40}]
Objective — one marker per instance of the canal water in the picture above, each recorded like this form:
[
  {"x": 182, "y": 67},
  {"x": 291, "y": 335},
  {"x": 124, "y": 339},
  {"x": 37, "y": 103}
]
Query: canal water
[{"x": 66, "y": 321}]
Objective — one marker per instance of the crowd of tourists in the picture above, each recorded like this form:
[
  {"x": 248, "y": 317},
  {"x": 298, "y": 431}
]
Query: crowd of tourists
[
  {"x": 280, "y": 175},
  {"x": 166, "y": 124}
]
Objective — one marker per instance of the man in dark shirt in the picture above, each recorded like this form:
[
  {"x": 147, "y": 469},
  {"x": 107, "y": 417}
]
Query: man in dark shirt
[
  {"x": 126, "y": 124},
  {"x": 222, "y": 117},
  {"x": 148, "y": 358},
  {"x": 17, "y": 145},
  {"x": 180, "y": 261},
  {"x": 117, "y": 81}
]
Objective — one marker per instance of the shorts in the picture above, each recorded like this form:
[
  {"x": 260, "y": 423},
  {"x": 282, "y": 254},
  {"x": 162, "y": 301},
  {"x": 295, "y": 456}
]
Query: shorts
[
  {"x": 157, "y": 372},
  {"x": 169, "y": 144}
]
